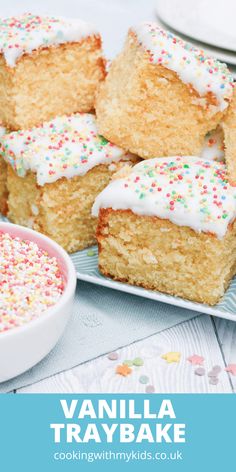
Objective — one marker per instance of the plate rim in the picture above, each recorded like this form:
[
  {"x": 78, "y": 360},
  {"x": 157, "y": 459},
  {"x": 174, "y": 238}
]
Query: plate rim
[
  {"x": 162, "y": 16},
  {"x": 156, "y": 296},
  {"x": 228, "y": 57}
]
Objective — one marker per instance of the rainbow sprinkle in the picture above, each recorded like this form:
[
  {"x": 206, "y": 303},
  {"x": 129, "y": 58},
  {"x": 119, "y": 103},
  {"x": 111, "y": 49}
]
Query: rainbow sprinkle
[
  {"x": 67, "y": 146},
  {"x": 188, "y": 191},
  {"x": 206, "y": 74},
  {"x": 26, "y": 33},
  {"x": 214, "y": 147},
  {"x": 30, "y": 281}
]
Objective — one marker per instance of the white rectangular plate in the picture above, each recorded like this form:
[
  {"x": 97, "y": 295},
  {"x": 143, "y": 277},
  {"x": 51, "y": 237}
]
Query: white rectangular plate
[
  {"x": 86, "y": 264},
  {"x": 87, "y": 269}
]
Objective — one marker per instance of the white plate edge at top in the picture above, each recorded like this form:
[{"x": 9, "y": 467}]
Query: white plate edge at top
[{"x": 169, "y": 12}]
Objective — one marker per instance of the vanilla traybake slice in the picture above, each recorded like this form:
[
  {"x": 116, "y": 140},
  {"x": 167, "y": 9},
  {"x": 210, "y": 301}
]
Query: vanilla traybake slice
[
  {"x": 161, "y": 95},
  {"x": 49, "y": 66},
  {"x": 169, "y": 225},
  {"x": 55, "y": 171}
]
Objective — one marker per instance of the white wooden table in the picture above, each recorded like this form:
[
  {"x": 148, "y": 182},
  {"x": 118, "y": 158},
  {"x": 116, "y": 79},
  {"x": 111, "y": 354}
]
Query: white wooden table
[{"x": 212, "y": 338}]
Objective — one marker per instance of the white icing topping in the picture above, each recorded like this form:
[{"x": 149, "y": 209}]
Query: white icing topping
[
  {"x": 192, "y": 65},
  {"x": 65, "y": 147},
  {"x": 188, "y": 191},
  {"x": 26, "y": 33},
  {"x": 214, "y": 145}
]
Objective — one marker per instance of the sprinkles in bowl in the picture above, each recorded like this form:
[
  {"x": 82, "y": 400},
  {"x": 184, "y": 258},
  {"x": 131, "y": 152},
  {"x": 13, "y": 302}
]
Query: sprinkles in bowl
[{"x": 30, "y": 281}]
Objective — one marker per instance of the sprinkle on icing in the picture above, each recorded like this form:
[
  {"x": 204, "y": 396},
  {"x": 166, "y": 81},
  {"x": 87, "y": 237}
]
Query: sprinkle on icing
[
  {"x": 192, "y": 65},
  {"x": 214, "y": 145},
  {"x": 188, "y": 191},
  {"x": 67, "y": 146},
  {"x": 26, "y": 33},
  {"x": 30, "y": 281}
]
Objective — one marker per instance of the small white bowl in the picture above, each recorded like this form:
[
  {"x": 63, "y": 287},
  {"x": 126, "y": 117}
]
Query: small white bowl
[{"x": 23, "y": 347}]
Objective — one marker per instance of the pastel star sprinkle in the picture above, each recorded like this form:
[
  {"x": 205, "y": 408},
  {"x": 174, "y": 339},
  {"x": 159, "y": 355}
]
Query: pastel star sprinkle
[
  {"x": 123, "y": 370},
  {"x": 171, "y": 357},
  {"x": 195, "y": 359},
  {"x": 231, "y": 368}
]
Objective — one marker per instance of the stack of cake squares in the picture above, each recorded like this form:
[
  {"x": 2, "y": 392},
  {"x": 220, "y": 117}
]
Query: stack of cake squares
[
  {"x": 53, "y": 161},
  {"x": 143, "y": 156},
  {"x": 169, "y": 224}
]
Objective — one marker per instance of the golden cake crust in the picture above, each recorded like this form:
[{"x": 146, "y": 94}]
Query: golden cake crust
[
  {"x": 60, "y": 79},
  {"x": 3, "y": 187},
  {"x": 158, "y": 255},
  {"x": 94, "y": 39},
  {"x": 62, "y": 209},
  {"x": 148, "y": 110},
  {"x": 229, "y": 129}
]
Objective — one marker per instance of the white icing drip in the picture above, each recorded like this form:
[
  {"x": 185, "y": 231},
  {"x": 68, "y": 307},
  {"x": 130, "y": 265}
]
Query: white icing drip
[
  {"x": 214, "y": 146},
  {"x": 16, "y": 40},
  {"x": 205, "y": 74},
  {"x": 194, "y": 194},
  {"x": 64, "y": 147}
]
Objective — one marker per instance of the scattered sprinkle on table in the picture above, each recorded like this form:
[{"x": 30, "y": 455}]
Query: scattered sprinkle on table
[
  {"x": 143, "y": 379},
  {"x": 30, "y": 281},
  {"x": 128, "y": 362},
  {"x": 138, "y": 361},
  {"x": 171, "y": 357},
  {"x": 217, "y": 369},
  {"x": 212, "y": 374},
  {"x": 123, "y": 370},
  {"x": 231, "y": 368},
  {"x": 90, "y": 253},
  {"x": 196, "y": 360},
  {"x": 214, "y": 381},
  {"x": 113, "y": 356},
  {"x": 200, "y": 371}
]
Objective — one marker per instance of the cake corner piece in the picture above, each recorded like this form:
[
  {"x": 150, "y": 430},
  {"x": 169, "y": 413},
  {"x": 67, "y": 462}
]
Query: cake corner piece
[
  {"x": 160, "y": 83},
  {"x": 151, "y": 241},
  {"x": 54, "y": 173},
  {"x": 54, "y": 62}
]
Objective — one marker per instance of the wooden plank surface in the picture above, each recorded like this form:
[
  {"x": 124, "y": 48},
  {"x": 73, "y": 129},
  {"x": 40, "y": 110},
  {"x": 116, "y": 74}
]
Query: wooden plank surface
[
  {"x": 214, "y": 339},
  {"x": 226, "y": 333},
  {"x": 198, "y": 336}
]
